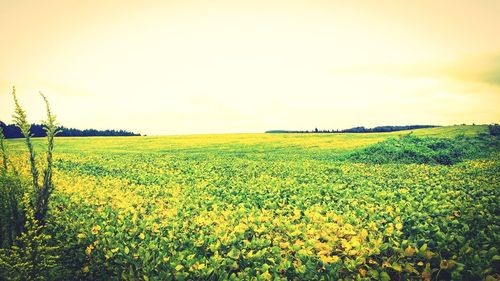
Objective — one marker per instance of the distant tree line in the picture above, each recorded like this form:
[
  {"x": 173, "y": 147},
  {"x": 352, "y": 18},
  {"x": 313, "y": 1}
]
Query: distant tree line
[
  {"x": 11, "y": 131},
  {"x": 379, "y": 129}
]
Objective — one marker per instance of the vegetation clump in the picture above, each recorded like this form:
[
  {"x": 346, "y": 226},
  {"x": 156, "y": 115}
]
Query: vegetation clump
[
  {"x": 410, "y": 149},
  {"x": 494, "y": 129},
  {"x": 26, "y": 250}
]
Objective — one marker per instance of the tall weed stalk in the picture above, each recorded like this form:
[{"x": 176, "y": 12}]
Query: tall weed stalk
[{"x": 26, "y": 252}]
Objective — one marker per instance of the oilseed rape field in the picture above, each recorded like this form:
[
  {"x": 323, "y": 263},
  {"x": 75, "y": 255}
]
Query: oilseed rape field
[{"x": 270, "y": 207}]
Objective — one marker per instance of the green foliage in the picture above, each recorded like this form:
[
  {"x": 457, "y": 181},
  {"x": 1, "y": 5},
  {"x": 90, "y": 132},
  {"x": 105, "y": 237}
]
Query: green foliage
[
  {"x": 41, "y": 193},
  {"x": 20, "y": 120},
  {"x": 494, "y": 129},
  {"x": 25, "y": 253},
  {"x": 3, "y": 152},
  {"x": 213, "y": 214},
  {"x": 426, "y": 150},
  {"x": 11, "y": 221},
  {"x": 11, "y": 215},
  {"x": 44, "y": 192},
  {"x": 31, "y": 257}
]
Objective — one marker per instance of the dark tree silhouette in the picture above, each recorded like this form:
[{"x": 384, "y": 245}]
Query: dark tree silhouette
[
  {"x": 11, "y": 132},
  {"x": 379, "y": 129}
]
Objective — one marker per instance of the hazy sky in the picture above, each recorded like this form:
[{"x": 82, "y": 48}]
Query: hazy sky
[{"x": 173, "y": 67}]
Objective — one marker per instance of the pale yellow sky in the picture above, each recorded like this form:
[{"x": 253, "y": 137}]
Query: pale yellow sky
[{"x": 174, "y": 67}]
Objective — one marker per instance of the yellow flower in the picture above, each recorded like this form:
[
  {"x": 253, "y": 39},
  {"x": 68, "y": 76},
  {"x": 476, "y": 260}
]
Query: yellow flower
[
  {"x": 299, "y": 243},
  {"x": 399, "y": 226},
  {"x": 241, "y": 228},
  {"x": 96, "y": 229},
  {"x": 89, "y": 249},
  {"x": 284, "y": 245},
  {"x": 155, "y": 227},
  {"x": 362, "y": 272},
  {"x": 446, "y": 264},
  {"x": 327, "y": 259},
  {"x": 199, "y": 266},
  {"x": 409, "y": 251},
  {"x": 355, "y": 242},
  {"x": 389, "y": 230},
  {"x": 363, "y": 234},
  {"x": 142, "y": 236},
  {"x": 266, "y": 276}
]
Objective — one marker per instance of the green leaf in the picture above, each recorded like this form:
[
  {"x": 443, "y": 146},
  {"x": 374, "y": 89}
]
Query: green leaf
[
  {"x": 234, "y": 253},
  {"x": 384, "y": 276},
  {"x": 397, "y": 267},
  {"x": 423, "y": 248}
]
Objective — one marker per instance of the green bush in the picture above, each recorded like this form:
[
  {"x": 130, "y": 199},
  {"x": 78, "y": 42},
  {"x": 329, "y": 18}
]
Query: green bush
[
  {"x": 25, "y": 247},
  {"x": 494, "y": 129},
  {"x": 31, "y": 257},
  {"x": 409, "y": 149}
]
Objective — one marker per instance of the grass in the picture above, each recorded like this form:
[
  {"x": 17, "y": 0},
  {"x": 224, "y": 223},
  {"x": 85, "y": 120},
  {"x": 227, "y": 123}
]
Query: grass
[{"x": 244, "y": 143}]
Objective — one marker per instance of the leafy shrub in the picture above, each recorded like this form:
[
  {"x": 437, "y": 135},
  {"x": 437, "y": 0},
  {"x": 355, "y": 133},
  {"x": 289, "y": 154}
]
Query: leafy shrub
[
  {"x": 409, "y": 149},
  {"x": 11, "y": 214},
  {"x": 25, "y": 251},
  {"x": 10, "y": 193},
  {"x": 494, "y": 129},
  {"x": 31, "y": 257}
]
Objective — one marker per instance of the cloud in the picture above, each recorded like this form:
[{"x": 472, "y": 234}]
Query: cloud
[{"x": 484, "y": 69}]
